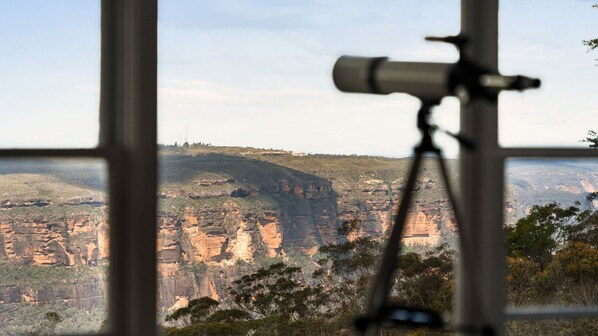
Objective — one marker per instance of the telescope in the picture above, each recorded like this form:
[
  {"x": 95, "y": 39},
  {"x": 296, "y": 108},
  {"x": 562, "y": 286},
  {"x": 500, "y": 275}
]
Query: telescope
[
  {"x": 379, "y": 75},
  {"x": 425, "y": 80},
  {"x": 430, "y": 82}
]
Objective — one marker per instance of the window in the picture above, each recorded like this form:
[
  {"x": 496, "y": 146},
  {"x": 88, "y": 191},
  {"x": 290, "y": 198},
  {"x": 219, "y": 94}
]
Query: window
[
  {"x": 262, "y": 160},
  {"x": 237, "y": 76},
  {"x": 127, "y": 148},
  {"x": 546, "y": 180}
]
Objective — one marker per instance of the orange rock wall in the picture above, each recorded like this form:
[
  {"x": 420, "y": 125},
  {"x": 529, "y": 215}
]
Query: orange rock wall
[{"x": 67, "y": 240}]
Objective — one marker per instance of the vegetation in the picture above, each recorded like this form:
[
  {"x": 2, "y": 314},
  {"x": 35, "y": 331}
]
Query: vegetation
[
  {"x": 592, "y": 139},
  {"x": 592, "y": 43},
  {"x": 552, "y": 260},
  {"x": 552, "y": 256},
  {"x": 540, "y": 234},
  {"x": 43, "y": 275},
  {"x": 277, "y": 290},
  {"x": 196, "y": 311},
  {"x": 50, "y": 319},
  {"x": 279, "y": 299}
]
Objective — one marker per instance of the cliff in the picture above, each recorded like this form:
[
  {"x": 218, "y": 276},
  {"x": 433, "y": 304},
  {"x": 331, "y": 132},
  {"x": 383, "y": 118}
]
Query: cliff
[{"x": 221, "y": 214}]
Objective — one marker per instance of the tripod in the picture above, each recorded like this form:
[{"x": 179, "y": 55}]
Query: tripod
[{"x": 378, "y": 311}]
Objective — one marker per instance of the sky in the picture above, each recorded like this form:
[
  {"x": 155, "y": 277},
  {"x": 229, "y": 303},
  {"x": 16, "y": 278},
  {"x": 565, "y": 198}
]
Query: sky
[{"x": 258, "y": 73}]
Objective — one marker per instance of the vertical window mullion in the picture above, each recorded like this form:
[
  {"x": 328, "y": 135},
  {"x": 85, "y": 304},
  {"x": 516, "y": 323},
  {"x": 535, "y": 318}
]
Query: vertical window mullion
[
  {"x": 480, "y": 280},
  {"x": 111, "y": 29},
  {"x": 129, "y": 126}
]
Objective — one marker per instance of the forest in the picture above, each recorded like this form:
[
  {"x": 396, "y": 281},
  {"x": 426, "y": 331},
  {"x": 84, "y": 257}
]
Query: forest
[{"x": 552, "y": 260}]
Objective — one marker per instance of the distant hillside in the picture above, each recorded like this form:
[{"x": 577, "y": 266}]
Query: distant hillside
[
  {"x": 223, "y": 211},
  {"x": 540, "y": 181}
]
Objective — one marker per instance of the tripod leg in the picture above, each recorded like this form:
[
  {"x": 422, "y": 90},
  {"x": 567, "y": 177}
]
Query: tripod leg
[
  {"x": 382, "y": 283},
  {"x": 452, "y": 199}
]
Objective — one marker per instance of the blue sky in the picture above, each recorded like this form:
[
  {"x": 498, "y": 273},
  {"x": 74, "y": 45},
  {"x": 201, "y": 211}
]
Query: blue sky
[
  {"x": 49, "y": 70},
  {"x": 258, "y": 73}
]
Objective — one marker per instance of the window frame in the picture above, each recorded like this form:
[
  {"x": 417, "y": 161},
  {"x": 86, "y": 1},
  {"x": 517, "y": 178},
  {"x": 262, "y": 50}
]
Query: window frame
[
  {"x": 128, "y": 144},
  {"x": 482, "y": 181}
]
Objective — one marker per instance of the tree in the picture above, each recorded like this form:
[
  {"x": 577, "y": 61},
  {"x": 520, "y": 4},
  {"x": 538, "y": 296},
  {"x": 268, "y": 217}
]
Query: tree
[
  {"x": 571, "y": 275},
  {"x": 592, "y": 139},
  {"x": 553, "y": 256},
  {"x": 48, "y": 325},
  {"x": 277, "y": 290},
  {"x": 229, "y": 315},
  {"x": 196, "y": 311},
  {"x": 520, "y": 287},
  {"x": 538, "y": 236},
  {"x": 593, "y": 43},
  {"x": 426, "y": 280},
  {"x": 586, "y": 230},
  {"x": 346, "y": 269}
]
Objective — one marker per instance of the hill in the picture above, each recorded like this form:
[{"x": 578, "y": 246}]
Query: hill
[{"x": 224, "y": 211}]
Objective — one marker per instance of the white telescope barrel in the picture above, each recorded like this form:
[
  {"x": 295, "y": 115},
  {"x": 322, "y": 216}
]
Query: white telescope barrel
[{"x": 381, "y": 76}]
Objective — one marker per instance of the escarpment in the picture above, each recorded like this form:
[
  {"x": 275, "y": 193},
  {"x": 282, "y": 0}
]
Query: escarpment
[
  {"x": 220, "y": 217},
  {"x": 224, "y": 212},
  {"x": 63, "y": 238},
  {"x": 234, "y": 213},
  {"x": 53, "y": 256}
]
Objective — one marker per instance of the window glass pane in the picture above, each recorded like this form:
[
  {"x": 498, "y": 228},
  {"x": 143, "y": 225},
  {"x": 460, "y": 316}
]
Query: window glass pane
[
  {"x": 50, "y": 70},
  {"x": 563, "y": 110},
  {"x": 53, "y": 246},
  {"x": 262, "y": 161},
  {"x": 551, "y": 227}
]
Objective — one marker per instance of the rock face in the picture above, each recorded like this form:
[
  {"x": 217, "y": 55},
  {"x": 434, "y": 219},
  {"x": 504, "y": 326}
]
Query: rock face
[
  {"x": 219, "y": 217},
  {"x": 68, "y": 239},
  {"x": 205, "y": 243},
  {"x": 223, "y": 216},
  {"x": 52, "y": 258},
  {"x": 215, "y": 236},
  {"x": 540, "y": 181},
  {"x": 374, "y": 203},
  {"x": 201, "y": 249}
]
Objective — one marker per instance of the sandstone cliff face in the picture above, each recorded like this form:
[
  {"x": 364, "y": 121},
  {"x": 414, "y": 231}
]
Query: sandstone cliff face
[
  {"x": 211, "y": 241},
  {"x": 223, "y": 216},
  {"x": 220, "y": 217},
  {"x": 53, "y": 257},
  {"x": 374, "y": 202},
  {"x": 67, "y": 239},
  {"x": 218, "y": 236},
  {"x": 207, "y": 243},
  {"x": 86, "y": 292}
]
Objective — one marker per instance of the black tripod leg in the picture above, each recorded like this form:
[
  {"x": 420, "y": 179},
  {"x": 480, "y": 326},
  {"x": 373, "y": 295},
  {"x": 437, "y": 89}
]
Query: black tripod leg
[
  {"x": 452, "y": 200},
  {"x": 383, "y": 280}
]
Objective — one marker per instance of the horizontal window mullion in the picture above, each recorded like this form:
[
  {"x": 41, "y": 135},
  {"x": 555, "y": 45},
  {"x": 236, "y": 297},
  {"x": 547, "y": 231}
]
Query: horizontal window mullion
[
  {"x": 544, "y": 313},
  {"x": 106, "y": 153},
  {"x": 548, "y": 152}
]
